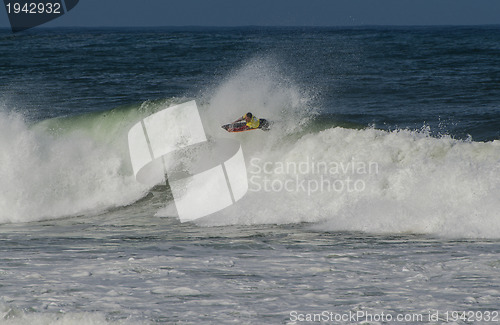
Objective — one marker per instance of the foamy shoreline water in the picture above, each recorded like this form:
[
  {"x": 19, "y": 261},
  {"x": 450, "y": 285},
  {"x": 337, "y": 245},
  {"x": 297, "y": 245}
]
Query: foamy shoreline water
[{"x": 112, "y": 269}]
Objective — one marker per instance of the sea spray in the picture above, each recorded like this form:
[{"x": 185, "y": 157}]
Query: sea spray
[{"x": 260, "y": 86}]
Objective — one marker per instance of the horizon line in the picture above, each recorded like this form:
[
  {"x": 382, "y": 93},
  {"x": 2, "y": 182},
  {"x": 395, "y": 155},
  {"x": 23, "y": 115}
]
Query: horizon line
[{"x": 257, "y": 26}]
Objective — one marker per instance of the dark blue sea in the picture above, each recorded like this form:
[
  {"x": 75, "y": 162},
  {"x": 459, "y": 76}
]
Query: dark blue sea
[{"x": 373, "y": 199}]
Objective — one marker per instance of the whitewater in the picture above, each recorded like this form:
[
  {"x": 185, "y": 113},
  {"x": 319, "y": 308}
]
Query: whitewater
[{"x": 349, "y": 217}]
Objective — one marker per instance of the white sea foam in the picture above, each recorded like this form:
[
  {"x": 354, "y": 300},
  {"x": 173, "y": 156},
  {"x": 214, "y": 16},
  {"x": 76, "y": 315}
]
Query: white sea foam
[
  {"x": 375, "y": 181},
  {"x": 48, "y": 176}
]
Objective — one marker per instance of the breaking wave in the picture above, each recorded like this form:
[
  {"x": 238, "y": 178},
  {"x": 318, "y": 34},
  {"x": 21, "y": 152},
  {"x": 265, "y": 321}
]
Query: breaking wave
[{"x": 337, "y": 178}]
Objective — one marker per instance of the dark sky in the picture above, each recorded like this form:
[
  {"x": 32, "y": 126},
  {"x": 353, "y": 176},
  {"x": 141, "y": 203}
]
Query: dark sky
[{"x": 95, "y": 13}]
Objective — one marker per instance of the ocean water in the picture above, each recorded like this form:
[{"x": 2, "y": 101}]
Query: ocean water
[{"x": 373, "y": 199}]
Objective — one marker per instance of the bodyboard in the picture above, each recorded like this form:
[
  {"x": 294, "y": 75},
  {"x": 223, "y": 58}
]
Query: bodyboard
[
  {"x": 242, "y": 126},
  {"x": 237, "y": 127}
]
